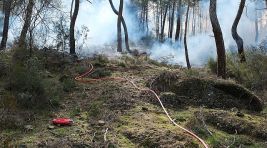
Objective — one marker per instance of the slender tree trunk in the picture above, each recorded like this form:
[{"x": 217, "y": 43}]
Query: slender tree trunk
[
  {"x": 7, "y": 10},
  {"x": 237, "y": 38},
  {"x": 172, "y": 19},
  {"x": 146, "y": 17},
  {"x": 126, "y": 36},
  {"x": 72, "y": 27},
  {"x": 221, "y": 58},
  {"x": 256, "y": 27},
  {"x": 185, "y": 41},
  {"x": 27, "y": 23},
  {"x": 163, "y": 23},
  {"x": 194, "y": 21},
  {"x": 178, "y": 24},
  {"x": 157, "y": 15},
  {"x": 119, "y": 39}
]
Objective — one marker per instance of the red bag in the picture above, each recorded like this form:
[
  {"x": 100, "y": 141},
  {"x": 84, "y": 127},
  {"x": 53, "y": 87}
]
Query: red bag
[{"x": 62, "y": 121}]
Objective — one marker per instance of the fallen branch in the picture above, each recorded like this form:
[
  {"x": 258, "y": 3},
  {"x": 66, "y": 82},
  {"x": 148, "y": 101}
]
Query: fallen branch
[{"x": 105, "y": 135}]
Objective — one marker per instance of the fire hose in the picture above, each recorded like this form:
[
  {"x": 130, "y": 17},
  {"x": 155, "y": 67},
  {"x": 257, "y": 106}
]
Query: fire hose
[{"x": 80, "y": 79}]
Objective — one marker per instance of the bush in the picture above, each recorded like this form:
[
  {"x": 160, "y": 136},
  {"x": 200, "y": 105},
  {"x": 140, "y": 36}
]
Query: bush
[
  {"x": 68, "y": 85},
  {"x": 212, "y": 65},
  {"x": 25, "y": 81},
  {"x": 81, "y": 69},
  {"x": 4, "y": 64},
  {"x": 54, "y": 92},
  {"x": 95, "y": 108},
  {"x": 100, "y": 73},
  {"x": 252, "y": 74}
]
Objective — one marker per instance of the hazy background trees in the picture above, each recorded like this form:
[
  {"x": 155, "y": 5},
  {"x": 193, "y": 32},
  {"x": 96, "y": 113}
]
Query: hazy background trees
[{"x": 172, "y": 22}]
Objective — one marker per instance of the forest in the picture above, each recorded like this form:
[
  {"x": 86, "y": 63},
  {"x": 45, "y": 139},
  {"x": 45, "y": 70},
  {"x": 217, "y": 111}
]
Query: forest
[{"x": 133, "y": 73}]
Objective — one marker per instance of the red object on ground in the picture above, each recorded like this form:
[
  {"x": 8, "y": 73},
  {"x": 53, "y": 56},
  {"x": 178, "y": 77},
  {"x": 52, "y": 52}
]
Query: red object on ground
[{"x": 62, "y": 121}]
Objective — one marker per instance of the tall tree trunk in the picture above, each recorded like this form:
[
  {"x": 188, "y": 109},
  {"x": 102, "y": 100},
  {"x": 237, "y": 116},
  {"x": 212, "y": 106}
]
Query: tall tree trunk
[
  {"x": 7, "y": 10},
  {"x": 72, "y": 27},
  {"x": 163, "y": 23},
  {"x": 126, "y": 36},
  {"x": 178, "y": 24},
  {"x": 119, "y": 39},
  {"x": 27, "y": 23},
  {"x": 157, "y": 15},
  {"x": 256, "y": 27},
  {"x": 221, "y": 58},
  {"x": 185, "y": 41},
  {"x": 172, "y": 19},
  {"x": 237, "y": 38}
]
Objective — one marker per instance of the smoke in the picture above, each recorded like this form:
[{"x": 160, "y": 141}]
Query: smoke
[
  {"x": 101, "y": 21},
  {"x": 1, "y": 24},
  {"x": 202, "y": 46}
]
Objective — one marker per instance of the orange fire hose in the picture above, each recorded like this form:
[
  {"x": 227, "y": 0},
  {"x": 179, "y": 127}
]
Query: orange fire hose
[{"x": 80, "y": 79}]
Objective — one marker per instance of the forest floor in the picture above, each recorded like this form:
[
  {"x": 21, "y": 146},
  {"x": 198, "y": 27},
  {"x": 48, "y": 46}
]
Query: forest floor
[{"x": 110, "y": 113}]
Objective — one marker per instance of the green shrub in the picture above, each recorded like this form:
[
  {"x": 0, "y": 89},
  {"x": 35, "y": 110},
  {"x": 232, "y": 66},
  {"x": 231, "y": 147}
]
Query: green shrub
[
  {"x": 192, "y": 73},
  {"x": 54, "y": 92},
  {"x": 68, "y": 85},
  {"x": 81, "y": 69},
  {"x": 100, "y": 61},
  {"x": 95, "y": 108},
  {"x": 252, "y": 74},
  {"x": 101, "y": 72},
  {"x": 212, "y": 65},
  {"x": 25, "y": 81},
  {"x": 122, "y": 64}
]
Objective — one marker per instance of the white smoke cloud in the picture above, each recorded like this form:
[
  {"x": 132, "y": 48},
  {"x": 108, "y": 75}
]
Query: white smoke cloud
[
  {"x": 102, "y": 24},
  {"x": 202, "y": 46},
  {"x": 99, "y": 18}
]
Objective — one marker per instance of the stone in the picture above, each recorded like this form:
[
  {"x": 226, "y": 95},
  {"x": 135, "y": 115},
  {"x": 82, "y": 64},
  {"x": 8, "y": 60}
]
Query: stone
[
  {"x": 50, "y": 127},
  {"x": 101, "y": 123},
  {"x": 28, "y": 127}
]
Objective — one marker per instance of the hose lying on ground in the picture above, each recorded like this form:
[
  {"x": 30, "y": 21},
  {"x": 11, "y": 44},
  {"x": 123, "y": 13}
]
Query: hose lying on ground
[{"x": 80, "y": 79}]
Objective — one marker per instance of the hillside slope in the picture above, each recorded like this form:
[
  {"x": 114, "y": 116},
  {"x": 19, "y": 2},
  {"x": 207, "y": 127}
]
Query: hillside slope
[{"x": 113, "y": 113}]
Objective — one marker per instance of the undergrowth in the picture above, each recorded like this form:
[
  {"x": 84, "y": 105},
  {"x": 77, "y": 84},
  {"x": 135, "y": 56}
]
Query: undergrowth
[{"x": 252, "y": 73}]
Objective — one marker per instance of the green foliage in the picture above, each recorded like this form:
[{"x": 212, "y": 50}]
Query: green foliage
[
  {"x": 4, "y": 66},
  {"x": 68, "y": 85},
  {"x": 81, "y": 69},
  {"x": 54, "y": 92},
  {"x": 27, "y": 84},
  {"x": 100, "y": 61},
  {"x": 212, "y": 65},
  {"x": 192, "y": 73},
  {"x": 95, "y": 108},
  {"x": 101, "y": 72},
  {"x": 122, "y": 64},
  {"x": 252, "y": 74}
]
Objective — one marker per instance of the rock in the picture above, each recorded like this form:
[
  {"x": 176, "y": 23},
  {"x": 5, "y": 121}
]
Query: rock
[
  {"x": 28, "y": 127},
  {"x": 50, "y": 127},
  {"x": 101, "y": 123}
]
